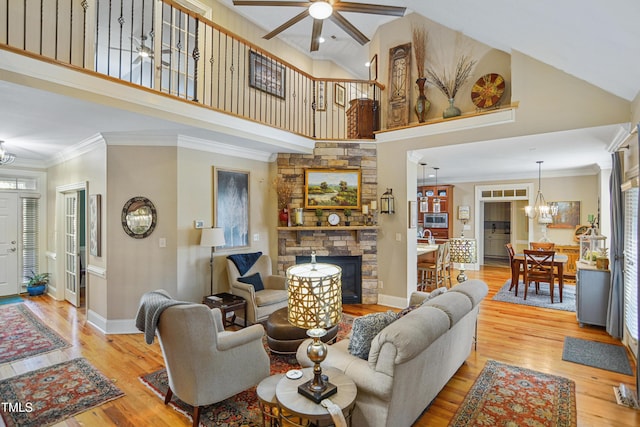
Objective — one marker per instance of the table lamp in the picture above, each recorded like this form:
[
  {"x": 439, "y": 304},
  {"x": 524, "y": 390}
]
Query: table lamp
[
  {"x": 212, "y": 237},
  {"x": 463, "y": 251},
  {"x": 315, "y": 303}
]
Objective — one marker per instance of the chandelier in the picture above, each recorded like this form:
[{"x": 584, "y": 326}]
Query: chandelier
[
  {"x": 540, "y": 208},
  {"x": 5, "y": 158},
  {"x": 436, "y": 199},
  {"x": 424, "y": 200}
]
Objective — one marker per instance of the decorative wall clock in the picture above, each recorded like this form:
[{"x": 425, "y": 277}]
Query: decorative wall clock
[
  {"x": 399, "y": 73},
  {"x": 488, "y": 90}
]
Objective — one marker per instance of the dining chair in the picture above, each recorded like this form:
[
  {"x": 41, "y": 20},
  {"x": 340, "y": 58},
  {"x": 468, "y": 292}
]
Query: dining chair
[
  {"x": 542, "y": 246},
  {"x": 514, "y": 265},
  {"x": 538, "y": 267}
]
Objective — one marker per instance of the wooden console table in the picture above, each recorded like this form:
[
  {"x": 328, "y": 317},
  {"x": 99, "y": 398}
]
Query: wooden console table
[{"x": 363, "y": 118}]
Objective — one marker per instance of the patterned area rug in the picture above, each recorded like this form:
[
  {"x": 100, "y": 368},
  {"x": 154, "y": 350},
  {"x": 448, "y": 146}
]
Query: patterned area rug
[
  {"x": 542, "y": 299},
  {"x": 505, "y": 395},
  {"x": 52, "y": 394},
  {"x": 23, "y": 334},
  {"x": 243, "y": 408}
]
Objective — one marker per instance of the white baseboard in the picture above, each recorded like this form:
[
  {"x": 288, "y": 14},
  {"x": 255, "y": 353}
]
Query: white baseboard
[
  {"x": 392, "y": 301},
  {"x": 125, "y": 326}
]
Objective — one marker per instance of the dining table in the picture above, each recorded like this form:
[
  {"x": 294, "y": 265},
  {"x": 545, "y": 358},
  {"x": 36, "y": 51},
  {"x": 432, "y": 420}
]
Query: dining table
[{"x": 558, "y": 262}]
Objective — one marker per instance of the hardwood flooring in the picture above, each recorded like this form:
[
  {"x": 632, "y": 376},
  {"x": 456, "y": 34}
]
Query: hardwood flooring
[{"x": 515, "y": 334}]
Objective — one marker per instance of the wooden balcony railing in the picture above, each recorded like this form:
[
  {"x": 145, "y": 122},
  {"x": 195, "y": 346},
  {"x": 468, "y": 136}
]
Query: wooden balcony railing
[{"x": 167, "y": 48}]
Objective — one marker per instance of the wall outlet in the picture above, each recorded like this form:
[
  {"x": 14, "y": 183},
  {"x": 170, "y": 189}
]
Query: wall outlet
[
  {"x": 380, "y": 284},
  {"x": 198, "y": 223},
  {"x": 398, "y": 237},
  {"x": 162, "y": 242},
  {"x": 256, "y": 237}
]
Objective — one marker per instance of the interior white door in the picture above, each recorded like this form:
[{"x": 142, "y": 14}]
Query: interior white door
[
  {"x": 9, "y": 283},
  {"x": 71, "y": 250}
]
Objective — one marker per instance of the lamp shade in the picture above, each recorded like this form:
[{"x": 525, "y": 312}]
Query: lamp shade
[
  {"x": 212, "y": 237},
  {"x": 315, "y": 295},
  {"x": 462, "y": 250}
]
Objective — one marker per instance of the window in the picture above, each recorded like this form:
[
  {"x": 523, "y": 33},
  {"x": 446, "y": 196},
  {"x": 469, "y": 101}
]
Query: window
[
  {"x": 630, "y": 266},
  {"x": 30, "y": 233}
]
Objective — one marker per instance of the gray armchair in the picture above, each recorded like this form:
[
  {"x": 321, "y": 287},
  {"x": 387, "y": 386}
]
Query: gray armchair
[
  {"x": 260, "y": 304},
  {"x": 206, "y": 364}
]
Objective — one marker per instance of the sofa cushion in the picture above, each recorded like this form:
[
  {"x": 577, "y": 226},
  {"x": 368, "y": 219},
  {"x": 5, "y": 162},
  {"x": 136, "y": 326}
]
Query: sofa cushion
[
  {"x": 455, "y": 304},
  {"x": 255, "y": 280},
  {"x": 270, "y": 296},
  {"x": 364, "y": 329}
]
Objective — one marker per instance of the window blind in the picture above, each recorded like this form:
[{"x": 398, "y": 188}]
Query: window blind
[
  {"x": 30, "y": 227},
  {"x": 630, "y": 266}
]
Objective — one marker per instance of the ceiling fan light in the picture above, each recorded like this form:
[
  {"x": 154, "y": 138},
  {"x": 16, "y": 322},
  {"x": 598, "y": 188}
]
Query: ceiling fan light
[
  {"x": 321, "y": 39},
  {"x": 320, "y": 10}
]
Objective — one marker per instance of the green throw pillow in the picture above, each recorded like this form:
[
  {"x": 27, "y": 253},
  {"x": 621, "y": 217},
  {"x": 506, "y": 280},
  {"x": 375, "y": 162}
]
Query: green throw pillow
[
  {"x": 365, "y": 329},
  {"x": 254, "y": 280}
]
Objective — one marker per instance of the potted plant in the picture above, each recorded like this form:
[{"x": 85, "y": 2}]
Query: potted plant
[
  {"x": 37, "y": 283},
  {"x": 319, "y": 215},
  {"x": 347, "y": 214}
]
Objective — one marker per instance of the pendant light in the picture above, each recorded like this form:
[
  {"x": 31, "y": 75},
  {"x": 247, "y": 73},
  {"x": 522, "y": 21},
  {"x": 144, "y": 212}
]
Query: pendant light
[
  {"x": 540, "y": 208},
  {"x": 5, "y": 158},
  {"x": 436, "y": 199},
  {"x": 424, "y": 200}
]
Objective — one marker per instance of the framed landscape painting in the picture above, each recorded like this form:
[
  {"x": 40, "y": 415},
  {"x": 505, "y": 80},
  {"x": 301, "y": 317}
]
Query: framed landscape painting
[
  {"x": 568, "y": 215},
  {"x": 231, "y": 198},
  {"x": 332, "y": 188}
]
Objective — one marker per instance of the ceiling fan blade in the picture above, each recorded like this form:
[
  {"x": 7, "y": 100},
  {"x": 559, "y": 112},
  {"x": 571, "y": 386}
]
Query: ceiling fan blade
[
  {"x": 271, "y": 3},
  {"x": 348, "y": 28},
  {"x": 315, "y": 35},
  {"x": 374, "y": 9},
  {"x": 287, "y": 24}
]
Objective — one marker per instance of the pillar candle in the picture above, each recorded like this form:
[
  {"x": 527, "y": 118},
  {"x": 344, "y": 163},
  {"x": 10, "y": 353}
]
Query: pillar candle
[
  {"x": 374, "y": 205},
  {"x": 365, "y": 209}
]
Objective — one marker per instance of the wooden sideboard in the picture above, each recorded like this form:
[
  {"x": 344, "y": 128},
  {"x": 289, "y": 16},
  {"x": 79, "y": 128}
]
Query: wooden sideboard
[
  {"x": 573, "y": 253},
  {"x": 363, "y": 118}
]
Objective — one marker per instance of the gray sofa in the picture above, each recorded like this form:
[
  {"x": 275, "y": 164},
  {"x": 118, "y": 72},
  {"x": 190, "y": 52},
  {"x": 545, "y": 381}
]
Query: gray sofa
[{"x": 411, "y": 359}]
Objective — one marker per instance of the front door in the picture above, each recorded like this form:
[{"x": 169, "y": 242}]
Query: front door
[
  {"x": 71, "y": 250},
  {"x": 9, "y": 283}
]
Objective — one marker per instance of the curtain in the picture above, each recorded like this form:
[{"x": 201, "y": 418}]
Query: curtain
[
  {"x": 638, "y": 293},
  {"x": 615, "y": 311}
]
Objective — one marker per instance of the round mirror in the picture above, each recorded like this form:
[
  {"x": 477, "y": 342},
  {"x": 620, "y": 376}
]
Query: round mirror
[{"x": 138, "y": 217}]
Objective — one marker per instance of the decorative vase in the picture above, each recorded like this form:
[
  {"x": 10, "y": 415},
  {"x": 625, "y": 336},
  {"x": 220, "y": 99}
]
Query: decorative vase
[
  {"x": 422, "y": 104},
  {"x": 451, "y": 110},
  {"x": 283, "y": 216}
]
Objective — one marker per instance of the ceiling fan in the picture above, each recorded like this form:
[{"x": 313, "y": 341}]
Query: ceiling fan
[
  {"x": 143, "y": 51},
  {"x": 320, "y": 10}
]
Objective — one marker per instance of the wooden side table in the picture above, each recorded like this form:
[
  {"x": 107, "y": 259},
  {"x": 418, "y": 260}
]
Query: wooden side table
[
  {"x": 227, "y": 303},
  {"x": 295, "y": 405}
]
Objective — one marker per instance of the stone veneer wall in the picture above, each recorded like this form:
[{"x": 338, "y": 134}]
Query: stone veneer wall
[{"x": 338, "y": 155}]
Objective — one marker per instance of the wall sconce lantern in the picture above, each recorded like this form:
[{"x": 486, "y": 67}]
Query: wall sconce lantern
[{"x": 388, "y": 202}]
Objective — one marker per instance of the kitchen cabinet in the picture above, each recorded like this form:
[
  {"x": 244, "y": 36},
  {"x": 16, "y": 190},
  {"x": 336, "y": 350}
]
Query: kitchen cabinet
[
  {"x": 592, "y": 295},
  {"x": 494, "y": 245},
  {"x": 445, "y": 194}
]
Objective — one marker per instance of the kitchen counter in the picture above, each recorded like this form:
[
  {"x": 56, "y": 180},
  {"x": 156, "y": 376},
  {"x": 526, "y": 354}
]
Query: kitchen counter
[{"x": 426, "y": 249}]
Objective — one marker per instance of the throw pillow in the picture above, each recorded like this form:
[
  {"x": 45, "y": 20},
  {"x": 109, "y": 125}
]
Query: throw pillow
[
  {"x": 407, "y": 310},
  {"x": 365, "y": 329},
  {"x": 435, "y": 293},
  {"x": 254, "y": 280}
]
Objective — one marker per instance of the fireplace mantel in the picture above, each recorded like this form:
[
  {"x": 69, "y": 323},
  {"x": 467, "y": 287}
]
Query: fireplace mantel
[{"x": 356, "y": 228}]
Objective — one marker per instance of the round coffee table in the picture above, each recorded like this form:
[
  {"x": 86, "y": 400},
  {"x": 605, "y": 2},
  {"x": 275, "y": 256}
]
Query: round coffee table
[
  {"x": 267, "y": 398},
  {"x": 295, "y": 405}
]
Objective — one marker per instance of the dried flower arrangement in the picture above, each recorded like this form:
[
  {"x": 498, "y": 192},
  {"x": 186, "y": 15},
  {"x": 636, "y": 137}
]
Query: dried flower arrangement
[
  {"x": 450, "y": 83},
  {"x": 284, "y": 189},
  {"x": 420, "y": 38}
]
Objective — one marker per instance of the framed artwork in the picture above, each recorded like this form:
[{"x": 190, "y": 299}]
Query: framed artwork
[
  {"x": 321, "y": 96},
  {"x": 373, "y": 68},
  {"x": 339, "y": 94},
  {"x": 568, "y": 215},
  {"x": 231, "y": 198},
  {"x": 413, "y": 214},
  {"x": 95, "y": 211},
  {"x": 332, "y": 188},
  {"x": 399, "y": 85},
  {"x": 464, "y": 213},
  {"x": 266, "y": 74}
]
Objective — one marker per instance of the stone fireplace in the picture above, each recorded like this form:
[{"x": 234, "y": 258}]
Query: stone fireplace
[
  {"x": 355, "y": 240},
  {"x": 351, "y": 274}
]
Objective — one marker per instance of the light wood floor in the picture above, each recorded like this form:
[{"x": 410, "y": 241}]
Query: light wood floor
[{"x": 515, "y": 334}]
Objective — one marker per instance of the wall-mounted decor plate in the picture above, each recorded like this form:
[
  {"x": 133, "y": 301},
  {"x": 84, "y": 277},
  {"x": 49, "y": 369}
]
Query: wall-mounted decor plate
[{"x": 488, "y": 90}]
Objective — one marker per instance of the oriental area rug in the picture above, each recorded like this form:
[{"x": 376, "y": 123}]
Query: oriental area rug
[
  {"x": 49, "y": 395},
  {"x": 23, "y": 334},
  {"x": 243, "y": 408},
  {"x": 505, "y": 395}
]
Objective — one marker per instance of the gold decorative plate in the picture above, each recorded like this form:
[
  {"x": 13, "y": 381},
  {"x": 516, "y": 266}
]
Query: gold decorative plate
[{"x": 488, "y": 90}]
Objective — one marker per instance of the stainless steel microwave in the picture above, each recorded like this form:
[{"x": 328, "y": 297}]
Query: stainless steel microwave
[{"x": 436, "y": 220}]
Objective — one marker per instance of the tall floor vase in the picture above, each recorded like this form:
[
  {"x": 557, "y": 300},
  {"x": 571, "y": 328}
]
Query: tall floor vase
[
  {"x": 451, "y": 110},
  {"x": 422, "y": 104}
]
